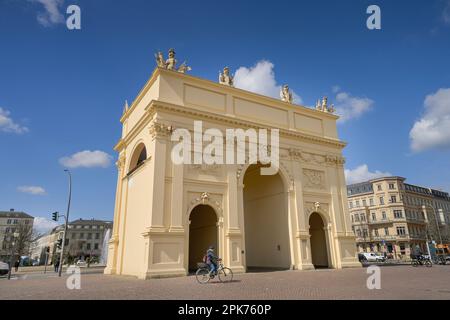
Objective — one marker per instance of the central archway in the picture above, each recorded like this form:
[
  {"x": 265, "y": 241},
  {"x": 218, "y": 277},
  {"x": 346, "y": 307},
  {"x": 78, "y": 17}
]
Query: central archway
[
  {"x": 266, "y": 221},
  {"x": 318, "y": 240},
  {"x": 202, "y": 233}
]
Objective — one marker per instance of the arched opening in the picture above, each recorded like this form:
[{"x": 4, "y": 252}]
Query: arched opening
[
  {"x": 138, "y": 158},
  {"x": 266, "y": 221},
  {"x": 318, "y": 240},
  {"x": 202, "y": 233}
]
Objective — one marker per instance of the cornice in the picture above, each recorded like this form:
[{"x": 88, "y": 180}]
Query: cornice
[{"x": 156, "y": 105}]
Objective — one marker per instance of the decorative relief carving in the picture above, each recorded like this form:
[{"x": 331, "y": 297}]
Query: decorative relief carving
[
  {"x": 160, "y": 130},
  {"x": 322, "y": 208},
  {"x": 308, "y": 157},
  {"x": 212, "y": 169},
  {"x": 207, "y": 198},
  {"x": 314, "y": 179},
  {"x": 121, "y": 162}
]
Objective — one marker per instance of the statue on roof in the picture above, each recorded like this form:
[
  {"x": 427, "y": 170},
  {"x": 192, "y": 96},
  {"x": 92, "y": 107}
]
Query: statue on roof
[
  {"x": 226, "y": 78},
  {"x": 286, "y": 94},
  {"x": 171, "y": 62}
]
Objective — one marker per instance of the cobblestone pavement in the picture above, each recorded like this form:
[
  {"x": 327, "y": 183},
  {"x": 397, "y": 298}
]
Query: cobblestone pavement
[{"x": 397, "y": 282}]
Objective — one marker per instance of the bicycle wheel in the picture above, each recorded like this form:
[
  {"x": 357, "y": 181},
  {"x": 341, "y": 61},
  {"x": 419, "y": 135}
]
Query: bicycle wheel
[
  {"x": 415, "y": 263},
  {"x": 225, "y": 275},
  {"x": 202, "y": 275},
  {"x": 428, "y": 263}
]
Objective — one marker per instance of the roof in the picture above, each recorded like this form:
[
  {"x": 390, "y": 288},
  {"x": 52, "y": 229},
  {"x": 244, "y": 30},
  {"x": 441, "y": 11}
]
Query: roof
[
  {"x": 15, "y": 214},
  {"x": 89, "y": 222}
]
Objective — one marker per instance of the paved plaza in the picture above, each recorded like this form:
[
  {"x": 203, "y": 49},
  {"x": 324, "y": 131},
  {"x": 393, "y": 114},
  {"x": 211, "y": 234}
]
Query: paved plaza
[{"x": 397, "y": 282}]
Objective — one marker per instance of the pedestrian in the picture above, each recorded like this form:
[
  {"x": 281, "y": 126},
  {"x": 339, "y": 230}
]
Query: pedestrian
[
  {"x": 57, "y": 265},
  {"x": 16, "y": 265}
]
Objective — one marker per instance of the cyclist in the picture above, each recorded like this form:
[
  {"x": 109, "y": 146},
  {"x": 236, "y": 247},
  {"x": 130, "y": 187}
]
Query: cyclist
[{"x": 211, "y": 259}]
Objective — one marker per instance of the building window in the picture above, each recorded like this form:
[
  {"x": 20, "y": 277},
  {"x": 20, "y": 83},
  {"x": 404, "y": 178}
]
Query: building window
[
  {"x": 7, "y": 230},
  {"x": 363, "y": 217},
  {"x": 381, "y": 200},
  {"x": 357, "y": 217},
  {"x": 374, "y": 216},
  {"x": 379, "y": 187},
  {"x": 393, "y": 199},
  {"x": 82, "y": 235},
  {"x": 88, "y": 246},
  {"x": 74, "y": 235},
  {"x": 371, "y": 201},
  {"x": 391, "y": 186},
  {"x": 89, "y": 236},
  {"x": 364, "y": 203},
  {"x": 16, "y": 221},
  {"x": 96, "y": 246},
  {"x": 398, "y": 214},
  {"x": 357, "y": 203},
  {"x": 376, "y": 233},
  {"x": 97, "y": 236},
  {"x": 81, "y": 246},
  {"x": 401, "y": 231},
  {"x": 353, "y": 219},
  {"x": 66, "y": 243},
  {"x": 386, "y": 231},
  {"x": 9, "y": 221}
]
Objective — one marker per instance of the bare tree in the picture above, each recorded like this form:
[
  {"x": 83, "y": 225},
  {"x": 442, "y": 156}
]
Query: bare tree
[{"x": 27, "y": 235}]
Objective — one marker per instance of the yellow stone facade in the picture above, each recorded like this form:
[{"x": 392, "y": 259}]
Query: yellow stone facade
[
  {"x": 392, "y": 216},
  {"x": 166, "y": 215}
]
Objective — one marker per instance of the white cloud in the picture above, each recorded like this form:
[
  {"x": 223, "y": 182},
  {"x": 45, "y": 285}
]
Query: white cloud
[
  {"x": 34, "y": 190},
  {"x": 336, "y": 89},
  {"x": 446, "y": 13},
  {"x": 261, "y": 79},
  {"x": 87, "y": 159},
  {"x": 7, "y": 124},
  {"x": 350, "y": 107},
  {"x": 432, "y": 131},
  {"x": 43, "y": 225},
  {"x": 52, "y": 14},
  {"x": 362, "y": 173}
]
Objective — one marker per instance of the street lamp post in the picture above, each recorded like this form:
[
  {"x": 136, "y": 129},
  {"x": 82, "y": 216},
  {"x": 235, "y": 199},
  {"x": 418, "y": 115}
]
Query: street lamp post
[
  {"x": 11, "y": 259},
  {"x": 437, "y": 224},
  {"x": 61, "y": 261}
]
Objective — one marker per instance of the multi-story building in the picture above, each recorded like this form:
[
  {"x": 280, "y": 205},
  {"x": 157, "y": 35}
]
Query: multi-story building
[
  {"x": 389, "y": 215},
  {"x": 12, "y": 222},
  {"x": 85, "y": 238}
]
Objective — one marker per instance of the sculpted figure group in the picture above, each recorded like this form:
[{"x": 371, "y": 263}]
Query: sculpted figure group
[{"x": 227, "y": 79}]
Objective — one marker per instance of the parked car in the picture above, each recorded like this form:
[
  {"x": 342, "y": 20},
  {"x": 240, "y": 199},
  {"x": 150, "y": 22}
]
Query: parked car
[
  {"x": 372, "y": 257},
  {"x": 4, "y": 268},
  {"x": 447, "y": 258},
  {"x": 380, "y": 257},
  {"x": 81, "y": 263}
]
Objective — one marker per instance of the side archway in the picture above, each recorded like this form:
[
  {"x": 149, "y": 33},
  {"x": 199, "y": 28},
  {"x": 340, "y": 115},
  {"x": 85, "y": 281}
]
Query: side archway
[
  {"x": 138, "y": 157},
  {"x": 318, "y": 240},
  {"x": 202, "y": 233}
]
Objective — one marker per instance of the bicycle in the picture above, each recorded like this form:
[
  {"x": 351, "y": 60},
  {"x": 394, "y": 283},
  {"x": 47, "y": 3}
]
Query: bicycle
[
  {"x": 421, "y": 261},
  {"x": 439, "y": 260},
  {"x": 204, "y": 274}
]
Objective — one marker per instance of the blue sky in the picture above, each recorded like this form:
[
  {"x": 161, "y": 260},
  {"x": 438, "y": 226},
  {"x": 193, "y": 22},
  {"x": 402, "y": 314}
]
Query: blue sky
[{"x": 62, "y": 91}]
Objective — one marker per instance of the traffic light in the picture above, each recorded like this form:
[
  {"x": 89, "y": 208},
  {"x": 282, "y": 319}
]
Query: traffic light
[
  {"x": 59, "y": 243},
  {"x": 55, "y": 216}
]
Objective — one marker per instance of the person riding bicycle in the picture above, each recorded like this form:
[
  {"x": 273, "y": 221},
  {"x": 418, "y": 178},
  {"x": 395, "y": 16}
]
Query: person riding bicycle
[
  {"x": 211, "y": 259},
  {"x": 417, "y": 253}
]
